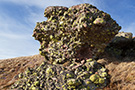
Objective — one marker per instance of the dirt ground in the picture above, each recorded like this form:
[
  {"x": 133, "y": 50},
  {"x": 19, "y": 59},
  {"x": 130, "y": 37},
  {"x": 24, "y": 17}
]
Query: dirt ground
[{"x": 122, "y": 71}]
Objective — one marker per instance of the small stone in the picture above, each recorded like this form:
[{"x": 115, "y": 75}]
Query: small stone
[{"x": 99, "y": 21}]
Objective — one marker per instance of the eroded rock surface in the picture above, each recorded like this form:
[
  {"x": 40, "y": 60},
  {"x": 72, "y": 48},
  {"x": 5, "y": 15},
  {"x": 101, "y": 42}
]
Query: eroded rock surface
[{"x": 74, "y": 33}]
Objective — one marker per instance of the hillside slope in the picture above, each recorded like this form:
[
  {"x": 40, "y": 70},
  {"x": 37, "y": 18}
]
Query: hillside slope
[
  {"x": 122, "y": 71},
  {"x": 10, "y": 68}
]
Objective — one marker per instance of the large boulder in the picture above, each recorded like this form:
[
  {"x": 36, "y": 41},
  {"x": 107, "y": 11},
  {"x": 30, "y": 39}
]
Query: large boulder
[
  {"x": 122, "y": 45},
  {"x": 75, "y": 33},
  {"x": 122, "y": 39}
]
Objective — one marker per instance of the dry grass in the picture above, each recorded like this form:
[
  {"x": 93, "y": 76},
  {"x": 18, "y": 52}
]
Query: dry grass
[
  {"x": 10, "y": 68},
  {"x": 122, "y": 76},
  {"x": 122, "y": 71}
]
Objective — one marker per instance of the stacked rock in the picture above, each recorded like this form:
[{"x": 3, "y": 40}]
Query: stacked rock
[{"x": 70, "y": 39}]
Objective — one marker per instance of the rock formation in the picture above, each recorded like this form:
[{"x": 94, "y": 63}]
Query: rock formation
[
  {"x": 70, "y": 39},
  {"x": 75, "y": 33}
]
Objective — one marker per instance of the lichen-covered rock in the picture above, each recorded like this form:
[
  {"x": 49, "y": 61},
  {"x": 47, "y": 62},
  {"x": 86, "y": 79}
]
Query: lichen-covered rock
[
  {"x": 79, "y": 76},
  {"x": 121, "y": 45},
  {"x": 75, "y": 33},
  {"x": 70, "y": 39},
  {"x": 121, "y": 40}
]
